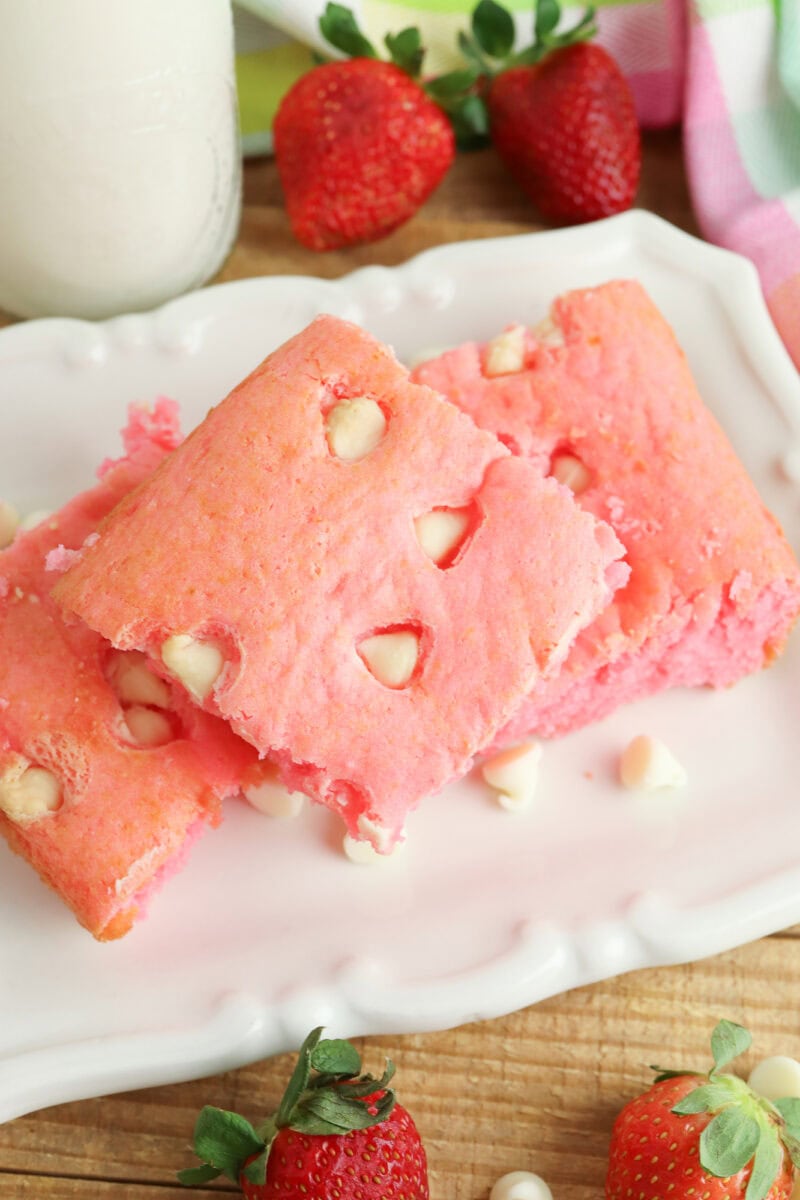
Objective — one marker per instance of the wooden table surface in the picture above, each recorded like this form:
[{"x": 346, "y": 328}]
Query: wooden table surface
[{"x": 537, "y": 1090}]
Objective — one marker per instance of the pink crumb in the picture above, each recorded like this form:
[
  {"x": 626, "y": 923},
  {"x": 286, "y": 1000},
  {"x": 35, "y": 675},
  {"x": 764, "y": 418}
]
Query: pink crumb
[
  {"x": 159, "y": 425},
  {"x": 61, "y": 558}
]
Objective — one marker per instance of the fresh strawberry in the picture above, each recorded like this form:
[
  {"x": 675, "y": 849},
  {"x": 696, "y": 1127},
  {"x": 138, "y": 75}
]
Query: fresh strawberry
[
  {"x": 337, "y": 1135},
  {"x": 561, "y": 114},
  {"x": 358, "y": 144},
  {"x": 706, "y": 1136}
]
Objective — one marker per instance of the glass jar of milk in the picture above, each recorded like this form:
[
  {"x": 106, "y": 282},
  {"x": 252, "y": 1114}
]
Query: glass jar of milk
[{"x": 120, "y": 169}]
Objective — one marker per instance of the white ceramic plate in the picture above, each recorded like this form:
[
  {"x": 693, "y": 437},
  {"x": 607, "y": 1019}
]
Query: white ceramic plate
[{"x": 269, "y": 930}]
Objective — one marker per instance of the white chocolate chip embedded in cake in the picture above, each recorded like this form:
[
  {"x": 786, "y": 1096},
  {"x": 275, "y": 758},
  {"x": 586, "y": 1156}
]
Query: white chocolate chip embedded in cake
[
  {"x": 505, "y": 354},
  {"x": 548, "y": 333},
  {"x": 354, "y": 428},
  {"x": 9, "y": 523},
  {"x": 570, "y": 471},
  {"x": 441, "y": 531},
  {"x": 28, "y": 793},
  {"x": 197, "y": 664},
  {"x": 134, "y": 681},
  {"x": 391, "y": 657},
  {"x": 514, "y": 774},
  {"x": 520, "y": 1185},
  {"x": 647, "y": 764},
  {"x": 271, "y": 797},
  {"x": 147, "y": 726}
]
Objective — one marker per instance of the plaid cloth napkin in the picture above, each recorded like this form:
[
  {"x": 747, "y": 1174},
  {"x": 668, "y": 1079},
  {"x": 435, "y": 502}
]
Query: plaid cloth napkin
[{"x": 729, "y": 69}]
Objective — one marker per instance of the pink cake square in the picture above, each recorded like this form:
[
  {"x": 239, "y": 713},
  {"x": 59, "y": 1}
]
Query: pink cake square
[
  {"x": 107, "y": 774},
  {"x": 601, "y": 396},
  {"x": 280, "y": 564}
]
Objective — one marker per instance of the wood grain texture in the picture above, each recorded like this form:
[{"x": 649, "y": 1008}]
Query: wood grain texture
[{"x": 536, "y": 1090}]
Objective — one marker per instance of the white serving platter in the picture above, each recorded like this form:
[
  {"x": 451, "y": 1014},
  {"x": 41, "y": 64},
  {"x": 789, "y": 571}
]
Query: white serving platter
[{"x": 270, "y": 930}]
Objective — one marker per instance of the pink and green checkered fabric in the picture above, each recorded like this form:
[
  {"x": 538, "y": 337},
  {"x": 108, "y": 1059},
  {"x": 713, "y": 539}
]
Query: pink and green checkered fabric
[{"x": 729, "y": 69}]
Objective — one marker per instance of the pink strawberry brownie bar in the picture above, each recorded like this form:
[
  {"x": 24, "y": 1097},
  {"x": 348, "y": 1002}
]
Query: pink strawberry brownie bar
[
  {"x": 351, "y": 573},
  {"x": 106, "y": 773},
  {"x": 601, "y": 397}
]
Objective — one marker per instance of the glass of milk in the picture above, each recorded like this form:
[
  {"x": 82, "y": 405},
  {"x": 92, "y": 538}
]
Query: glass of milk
[{"x": 120, "y": 171}]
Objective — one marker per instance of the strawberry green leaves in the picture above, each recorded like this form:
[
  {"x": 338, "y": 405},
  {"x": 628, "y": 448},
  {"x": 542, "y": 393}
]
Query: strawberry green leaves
[
  {"x": 729, "y": 1142},
  {"x": 406, "y": 50},
  {"x": 728, "y": 1041},
  {"x": 745, "y": 1128},
  {"x": 224, "y": 1141},
  {"x": 493, "y": 29},
  {"x": 339, "y": 27},
  {"x": 325, "y": 1095}
]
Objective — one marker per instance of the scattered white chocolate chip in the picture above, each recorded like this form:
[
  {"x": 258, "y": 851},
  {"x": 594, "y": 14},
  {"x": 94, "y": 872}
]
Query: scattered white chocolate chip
[
  {"x": 570, "y": 471},
  {"x": 133, "y": 680},
  {"x": 27, "y": 793},
  {"x": 647, "y": 764},
  {"x": 196, "y": 664},
  {"x": 520, "y": 1185},
  {"x": 34, "y": 518},
  {"x": 548, "y": 333},
  {"x": 273, "y": 798},
  {"x": 354, "y": 428},
  {"x": 147, "y": 727},
  {"x": 776, "y": 1078},
  {"x": 440, "y": 531},
  {"x": 391, "y": 657},
  {"x": 505, "y": 354},
  {"x": 9, "y": 523},
  {"x": 514, "y": 774}
]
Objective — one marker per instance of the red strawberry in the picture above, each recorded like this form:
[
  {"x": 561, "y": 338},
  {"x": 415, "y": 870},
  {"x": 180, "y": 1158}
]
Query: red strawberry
[
  {"x": 561, "y": 114},
  {"x": 336, "y": 1134},
  {"x": 706, "y": 1136},
  {"x": 358, "y": 144},
  {"x": 567, "y": 131}
]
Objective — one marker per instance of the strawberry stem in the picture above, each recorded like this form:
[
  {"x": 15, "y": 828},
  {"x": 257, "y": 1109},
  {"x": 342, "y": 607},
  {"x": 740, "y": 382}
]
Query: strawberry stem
[{"x": 326, "y": 1094}]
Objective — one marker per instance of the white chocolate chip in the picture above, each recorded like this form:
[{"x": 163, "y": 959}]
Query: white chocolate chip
[
  {"x": 196, "y": 664},
  {"x": 9, "y": 523},
  {"x": 440, "y": 531},
  {"x": 148, "y": 727},
  {"x": 520, "y": 1185},
  {"x": 570, "y": 471},
  {"x": 391, "y": 657},
  {"x": 273, "y": 798},
  {"x": 776, "y": 1078},
  {"x": 514, "y": 774},
  {"x": 354, "y": 428},
  {"x": 34, "y": 518},
  {"x": 364, "y": 853},
  {"x": 134, "y": 682},
  {"x": 27, "y": 793},
  {"x": 548, "y": 333},
  {"x": 647, "y": 764},
  {"x": 505, "y": 354}
]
